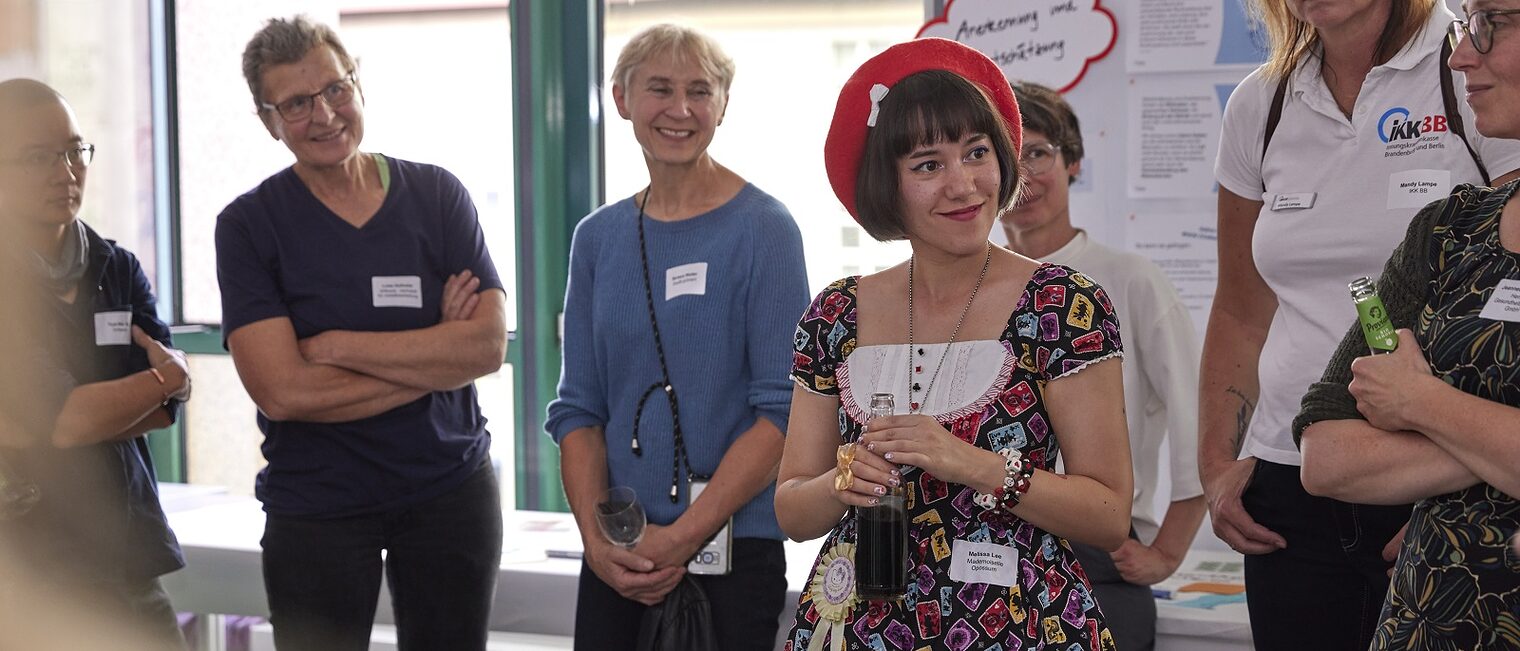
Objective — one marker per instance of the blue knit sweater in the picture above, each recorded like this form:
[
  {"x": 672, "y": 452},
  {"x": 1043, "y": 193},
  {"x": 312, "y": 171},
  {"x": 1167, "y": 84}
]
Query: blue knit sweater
[{"x": 729, "y": 348}]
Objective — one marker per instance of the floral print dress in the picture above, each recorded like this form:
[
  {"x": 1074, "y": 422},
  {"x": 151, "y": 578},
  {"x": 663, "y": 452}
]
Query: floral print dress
[
  {"x": 1063, "y": 322},
  {"x": 1457, "y": 581}
]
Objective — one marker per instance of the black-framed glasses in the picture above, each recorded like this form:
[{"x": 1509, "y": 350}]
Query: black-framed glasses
[
  {"x": 336, "y": 95},
  {"x": 1039, "y": 157},
  {"x": 1480, "y": 26},
  {"x": 76, "y": 157}
]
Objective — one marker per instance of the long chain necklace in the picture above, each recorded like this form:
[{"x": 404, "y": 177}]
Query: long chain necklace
[{"x": 913, "y": 352}]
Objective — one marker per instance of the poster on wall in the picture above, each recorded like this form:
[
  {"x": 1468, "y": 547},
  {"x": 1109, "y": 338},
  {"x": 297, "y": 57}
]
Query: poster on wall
[
  {"x": 1192, "y": 35},
  {"x": 1185, "y": 247},
  {"x": 1050, "y": 42},
  {"x": 1173, "y": 135}
]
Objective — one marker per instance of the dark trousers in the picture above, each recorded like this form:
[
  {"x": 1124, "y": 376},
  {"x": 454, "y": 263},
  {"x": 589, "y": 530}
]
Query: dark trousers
[
  {"x": 1326, "y": 589},
  {"x": 745, "y": 603},
  {"x": 441, "y": 560},
  {"x": 62, "y": 614},
  {"x": 1129, "y": 610}
]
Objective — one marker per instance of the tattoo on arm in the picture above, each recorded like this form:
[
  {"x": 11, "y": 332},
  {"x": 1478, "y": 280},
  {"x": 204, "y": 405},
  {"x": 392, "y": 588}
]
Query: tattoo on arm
[{"x": 1242, "y": 418}]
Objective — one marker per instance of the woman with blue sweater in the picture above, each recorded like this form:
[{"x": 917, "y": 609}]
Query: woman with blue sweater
[{"x": 678, "y": 315}]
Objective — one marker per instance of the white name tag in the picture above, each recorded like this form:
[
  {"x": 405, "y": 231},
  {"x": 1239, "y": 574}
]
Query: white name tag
[
  {"x": 1415, "y": 188},
  {"x": 992, "y": 563},
  {"x": 113, "y": 328},
  {"x": 1504, "y": 303},
  {"x": 686, "y": 279},
  {"x": 397, "y": 291},
  {"x": 1293, "y": 200}
]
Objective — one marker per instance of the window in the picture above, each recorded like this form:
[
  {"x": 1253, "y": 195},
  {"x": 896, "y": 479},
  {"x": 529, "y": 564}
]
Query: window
[
  {"x": 782, "y": 101},
  {"x": 96, "y": 53},
  {"x": 849, "y": 236}
]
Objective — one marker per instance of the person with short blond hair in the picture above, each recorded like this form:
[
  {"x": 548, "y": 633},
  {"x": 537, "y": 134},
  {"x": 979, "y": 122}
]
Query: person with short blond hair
[{"x": 676, "y": 317}]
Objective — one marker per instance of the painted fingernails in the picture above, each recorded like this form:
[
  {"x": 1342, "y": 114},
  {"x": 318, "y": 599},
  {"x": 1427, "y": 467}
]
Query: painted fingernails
[
  {"x": 871, "y": 447},
  {"x": 880, "y": 491},
  {"x": 887, "y": 456},
  {"x": 893, "y": 481}
]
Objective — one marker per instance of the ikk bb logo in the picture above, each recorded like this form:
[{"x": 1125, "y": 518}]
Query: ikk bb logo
[{"x": 1396, "y": 125}]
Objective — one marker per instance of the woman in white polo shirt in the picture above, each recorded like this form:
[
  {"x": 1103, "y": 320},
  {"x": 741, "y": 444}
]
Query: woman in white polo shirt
[{"x": 1328, "y": 151}]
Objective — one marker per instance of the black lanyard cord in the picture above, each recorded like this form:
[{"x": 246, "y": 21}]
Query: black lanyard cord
[{"x": 664, "y": 383}]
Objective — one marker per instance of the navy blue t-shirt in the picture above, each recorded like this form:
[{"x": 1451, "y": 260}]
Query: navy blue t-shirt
[
  {"x": 282, "y": 253},
  {"x": 98, "y": 518}
]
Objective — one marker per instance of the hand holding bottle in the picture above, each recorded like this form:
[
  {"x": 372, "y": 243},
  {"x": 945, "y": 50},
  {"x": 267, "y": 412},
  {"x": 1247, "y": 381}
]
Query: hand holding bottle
[{"x": 1391, "y": 389}]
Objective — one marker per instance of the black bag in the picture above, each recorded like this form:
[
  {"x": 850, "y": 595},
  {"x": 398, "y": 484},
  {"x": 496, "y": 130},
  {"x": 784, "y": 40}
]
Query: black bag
[{"x": 683, "y": 622}]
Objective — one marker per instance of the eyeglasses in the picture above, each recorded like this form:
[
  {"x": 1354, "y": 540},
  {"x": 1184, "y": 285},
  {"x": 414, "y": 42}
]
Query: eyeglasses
[
  {"x": 1038, "y": 158},
  {"x": 1480, "y": 26},
  {"x": 336, "y": 95},
  {"x": 39, "y": 161}
]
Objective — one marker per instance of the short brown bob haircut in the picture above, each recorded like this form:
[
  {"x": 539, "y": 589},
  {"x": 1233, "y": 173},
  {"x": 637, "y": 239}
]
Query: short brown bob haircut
[{"x": 925, "y": 108}]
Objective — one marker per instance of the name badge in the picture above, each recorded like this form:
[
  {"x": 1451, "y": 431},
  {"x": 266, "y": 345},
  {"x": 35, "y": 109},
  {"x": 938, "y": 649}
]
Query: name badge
[
  {"x": 113, "y": 328},
  {"x": 686, "y": 279},
  {"x": 992, "y": 563},
  {"x": 1293, "y": 200},
  {"x": 396, "y": 291},
  {"x": 1504, "y": 303},
  {"x": 1415, "y": 188}
]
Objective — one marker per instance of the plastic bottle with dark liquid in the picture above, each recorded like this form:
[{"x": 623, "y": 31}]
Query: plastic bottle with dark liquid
[{"x": 881, "y": 548}]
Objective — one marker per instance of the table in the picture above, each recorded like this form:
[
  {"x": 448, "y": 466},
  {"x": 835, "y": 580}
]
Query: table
[{"x": 535, "y": 590}]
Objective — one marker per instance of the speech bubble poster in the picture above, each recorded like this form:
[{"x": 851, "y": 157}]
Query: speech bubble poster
[{"x": 1050, "y": 42}]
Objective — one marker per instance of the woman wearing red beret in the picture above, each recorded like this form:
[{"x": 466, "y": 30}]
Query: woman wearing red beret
[{"x": 997, "y": 364}]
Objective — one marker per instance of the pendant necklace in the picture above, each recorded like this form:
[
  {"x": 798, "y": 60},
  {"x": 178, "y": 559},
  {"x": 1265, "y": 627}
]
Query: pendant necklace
[{"x": 915, "y": 354}]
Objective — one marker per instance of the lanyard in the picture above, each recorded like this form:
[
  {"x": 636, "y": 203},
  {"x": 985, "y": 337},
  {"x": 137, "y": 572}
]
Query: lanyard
[{"x": 680, "y": 458}]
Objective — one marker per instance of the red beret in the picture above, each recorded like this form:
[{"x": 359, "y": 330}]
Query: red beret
[{"x": 846, "y": 141}]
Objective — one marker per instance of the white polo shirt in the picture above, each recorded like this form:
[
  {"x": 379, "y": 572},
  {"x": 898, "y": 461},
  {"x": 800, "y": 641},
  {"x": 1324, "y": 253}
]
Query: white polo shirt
[
  {"x": 1344, "y": 192},
  {"x": 1160, "y": 373}
]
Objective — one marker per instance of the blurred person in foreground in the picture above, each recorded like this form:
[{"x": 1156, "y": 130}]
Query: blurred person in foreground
[{"x": 88, "y": 372}]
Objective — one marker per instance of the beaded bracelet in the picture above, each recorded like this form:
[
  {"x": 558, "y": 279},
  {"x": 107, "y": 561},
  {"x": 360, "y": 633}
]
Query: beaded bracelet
[{"x": 1016, "y": 475}]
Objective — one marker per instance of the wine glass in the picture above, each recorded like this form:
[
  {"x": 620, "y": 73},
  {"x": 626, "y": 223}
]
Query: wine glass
[{"x": 621, "y": 517}]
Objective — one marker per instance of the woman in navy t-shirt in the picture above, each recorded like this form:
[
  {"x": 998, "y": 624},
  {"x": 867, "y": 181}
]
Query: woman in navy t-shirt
[{"x": 360, "y": 304}]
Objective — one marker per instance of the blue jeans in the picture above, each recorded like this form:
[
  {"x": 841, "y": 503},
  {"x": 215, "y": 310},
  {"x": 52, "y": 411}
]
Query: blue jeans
[
  {"x": 441, "y": 561},
  {"x": 746, "y": 603},
  {"x": 1326, "y": 589}
]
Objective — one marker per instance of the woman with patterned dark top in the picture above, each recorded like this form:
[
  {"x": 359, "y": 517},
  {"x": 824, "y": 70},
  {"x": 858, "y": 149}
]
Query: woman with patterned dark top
[
  {"x": 992, "y": 359},
  {"x": 1437, "y": 421}
]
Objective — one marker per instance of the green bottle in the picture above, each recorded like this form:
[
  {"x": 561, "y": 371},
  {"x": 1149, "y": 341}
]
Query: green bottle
[{"x": 1376, "y": 327}]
